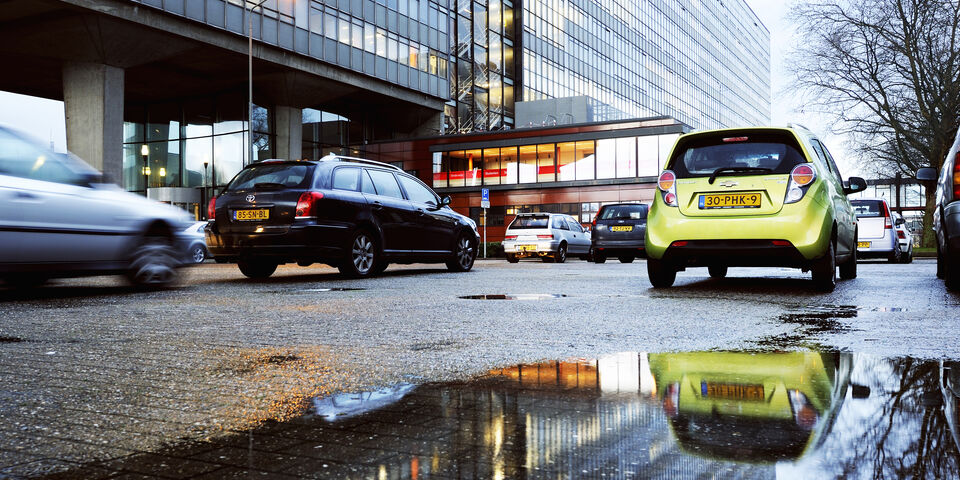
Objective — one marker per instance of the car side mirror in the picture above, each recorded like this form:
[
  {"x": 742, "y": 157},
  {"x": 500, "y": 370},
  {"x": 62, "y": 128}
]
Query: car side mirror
[
  {"x": 445, "y": 201},
  {"x": 854, "y": 185},
  {"x": 927, "y": 174},
  {"x": 900, "y": 221}
]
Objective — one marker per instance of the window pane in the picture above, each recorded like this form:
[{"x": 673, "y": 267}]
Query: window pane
[
  {"x": 626, "y": 157},
  {"x": 416, "y": 191},
  {"x": 546, "y": 156},
  {"x": 567, "y": 159},
  {"x": 528, "y": 164},
  {"x": 472, "y": 177},
  {"x": 385, "y": 183},
  {"x": 491, "y": 166},
  {"x": 346, "y": 178},
  {"x": 440, "y": 164},
  {"x": 458, "y": 167},
  {"x": 606, "y": 158},
  {"x": 228, "y": 154},
  {"x": 647, "y": 149},
  {"x": 585, "y": 160},
  {"x": 508, "y": 165}
]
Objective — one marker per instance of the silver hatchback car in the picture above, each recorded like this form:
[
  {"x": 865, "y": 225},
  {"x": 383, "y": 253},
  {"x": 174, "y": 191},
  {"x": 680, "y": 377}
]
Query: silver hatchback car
[
  {"x": 57, "y": 219},
  {"x": 876, "y": 237},
  {"x": 550, "y": 236}
]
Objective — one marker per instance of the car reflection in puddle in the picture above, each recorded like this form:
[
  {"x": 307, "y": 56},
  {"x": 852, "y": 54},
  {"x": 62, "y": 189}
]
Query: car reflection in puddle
[{"x": 801, "y": 414}]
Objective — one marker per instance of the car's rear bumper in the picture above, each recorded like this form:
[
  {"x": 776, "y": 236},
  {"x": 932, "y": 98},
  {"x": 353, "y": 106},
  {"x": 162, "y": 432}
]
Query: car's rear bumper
[
  {"x": 741, "y": 253},
  {"x": 619, "y": 247},
  {"x": 540, "y": 248},
  {"x": 879, "y": 246},
  {"x": 296, "y": 243},
  {"x": 806, "y": 225}
]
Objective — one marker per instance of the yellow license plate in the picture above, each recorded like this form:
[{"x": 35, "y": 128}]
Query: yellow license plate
[
  {"x": 526, "y": 248},
  {"x": 730, "y": 200},
  {"x": 627, "y": 228},
  {"x": 734, "y": 391},
  {"x": 863, "y": 244},
  {"x": 245, "y": 215}
]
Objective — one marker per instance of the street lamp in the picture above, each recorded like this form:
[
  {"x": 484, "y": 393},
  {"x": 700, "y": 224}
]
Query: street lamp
[
  {"x": 145, "y": 153},
  {"x": 250, "y": 79}
]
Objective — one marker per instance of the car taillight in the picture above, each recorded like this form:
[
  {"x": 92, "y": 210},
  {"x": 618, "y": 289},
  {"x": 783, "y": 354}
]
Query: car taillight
[
  {"x": 671, "y": 400},
  {"x": 594, "y": 222},
  {"x": 679, "y": 243},
  {"x": 212, "y": 208},
  {"x": 780, "y": 243},
  {"x": 887, "y": 221},
  {"x": 956, "y": 177},
  {"x": 306, "y": 202},
  {"x": 667, "y": 183},
  {"x": 900, "y": 234},
  {"x": 803, "y": 412},
  {"x": 510, "y": 237},
  {"x": 801, "y": 177},
  {"x": 545, "y": 237}
]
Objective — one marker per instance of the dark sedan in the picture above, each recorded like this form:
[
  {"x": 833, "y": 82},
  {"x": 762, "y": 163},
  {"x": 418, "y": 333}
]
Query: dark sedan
[{"x": 618, "y": 231}]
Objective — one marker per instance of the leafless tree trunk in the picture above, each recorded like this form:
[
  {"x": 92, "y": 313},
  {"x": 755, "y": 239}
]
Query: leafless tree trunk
[{"x": 888, "y": 71}]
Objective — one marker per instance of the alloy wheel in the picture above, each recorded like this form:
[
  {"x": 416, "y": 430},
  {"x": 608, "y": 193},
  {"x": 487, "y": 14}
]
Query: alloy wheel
[
  {"x": 362, "y": 254},
  {"x": 464, "y": 253}
]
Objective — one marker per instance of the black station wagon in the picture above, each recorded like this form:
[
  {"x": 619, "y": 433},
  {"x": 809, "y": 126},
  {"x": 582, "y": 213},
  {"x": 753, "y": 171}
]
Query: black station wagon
[{"x": 354, "y": 214}]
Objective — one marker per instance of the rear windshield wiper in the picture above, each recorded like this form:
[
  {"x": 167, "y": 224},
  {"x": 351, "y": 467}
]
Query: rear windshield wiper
[
  {"x": 720, "y": 170},
  {"x": 268, "y": 186}
]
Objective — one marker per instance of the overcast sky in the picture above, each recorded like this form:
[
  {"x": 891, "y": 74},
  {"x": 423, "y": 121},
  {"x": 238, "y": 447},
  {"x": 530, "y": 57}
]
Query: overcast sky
[{"x": 44, "y": 118}]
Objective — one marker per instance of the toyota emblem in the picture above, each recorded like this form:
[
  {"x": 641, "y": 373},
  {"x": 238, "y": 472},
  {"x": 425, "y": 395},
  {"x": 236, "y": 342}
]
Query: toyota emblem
[{"x": 251, "y": 198}]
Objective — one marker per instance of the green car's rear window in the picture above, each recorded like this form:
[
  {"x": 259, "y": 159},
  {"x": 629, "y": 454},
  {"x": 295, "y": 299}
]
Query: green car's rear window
[{"x": 766, "y": 153}]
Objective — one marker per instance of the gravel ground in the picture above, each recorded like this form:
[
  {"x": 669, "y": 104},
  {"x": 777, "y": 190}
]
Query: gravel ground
[{"x": 91, "y": 370}]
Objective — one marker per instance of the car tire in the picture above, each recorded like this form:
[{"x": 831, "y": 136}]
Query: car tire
[
  {"x": 512, "y": 258},
  {"x": 951, "y": 270},
  {"x": 717, "y": 271},
  {"x": 660, "y": 273},
  {"x": 848, "y": 269},
  {"x": 561, "y": 255},
  {"x": 257, "y": 267},
  {"x": 626, "y": 258},
  {"x": 361, "y": 256},
  {"x": 895, "y": 254},
  {"x": 25, "y": 281},
  {"x": 198, "y": 253},
  {"x": 153, "y": 263},
  {"x": 380, "y": 267},
  {"x": 599, "y": 258},
  {"x": 909, "y": 257},
  {"x": 824, "y": 270},
  {"x": 465, "y": 253}
]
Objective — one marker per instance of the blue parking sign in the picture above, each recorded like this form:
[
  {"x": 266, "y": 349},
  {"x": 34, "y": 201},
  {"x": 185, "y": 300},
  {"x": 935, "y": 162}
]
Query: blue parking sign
[{"x": 484, "y": 194}]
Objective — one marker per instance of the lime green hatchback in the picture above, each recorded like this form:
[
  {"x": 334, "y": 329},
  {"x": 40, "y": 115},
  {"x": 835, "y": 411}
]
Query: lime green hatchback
[{"x": 752, "y": 197}]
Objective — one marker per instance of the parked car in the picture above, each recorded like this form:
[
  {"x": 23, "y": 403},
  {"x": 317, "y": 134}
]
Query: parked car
[
  {"x": 946, "y": 215},
  {"x": 878, "y": 238},
  {"x": 904, "y": 238},
  {"x": 58, "y": 219},
  {"x": 758, "y": 196},
  {"x": 197, "y": 248},
  {"x": 550, "y": 236},
  {"x": 618, "y": 231},
  {"x": 355, "y": 214}
]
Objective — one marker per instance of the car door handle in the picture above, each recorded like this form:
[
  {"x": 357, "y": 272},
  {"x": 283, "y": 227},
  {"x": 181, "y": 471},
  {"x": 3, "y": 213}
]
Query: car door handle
[
  {"x": 377, "y": 206},
  {"x": 421, "y": 212},
  {"x": 25, "y": 197}
]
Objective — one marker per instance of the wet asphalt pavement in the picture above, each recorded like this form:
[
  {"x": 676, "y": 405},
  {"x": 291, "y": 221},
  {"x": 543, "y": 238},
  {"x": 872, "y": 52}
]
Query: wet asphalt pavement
[{"x": 227, "y": 377}]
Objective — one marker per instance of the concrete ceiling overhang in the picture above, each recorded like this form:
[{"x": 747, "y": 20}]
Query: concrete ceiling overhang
[{"x": 166, "y": 57}]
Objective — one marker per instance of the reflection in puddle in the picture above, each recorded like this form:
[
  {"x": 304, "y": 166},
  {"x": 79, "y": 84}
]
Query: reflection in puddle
[
  {"x": 801, "y": 414},
  {"x": 516, "y": 296}
]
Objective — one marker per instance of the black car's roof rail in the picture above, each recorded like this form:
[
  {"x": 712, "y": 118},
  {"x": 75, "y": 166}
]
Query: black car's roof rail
[{"x": 333, "y": 157}]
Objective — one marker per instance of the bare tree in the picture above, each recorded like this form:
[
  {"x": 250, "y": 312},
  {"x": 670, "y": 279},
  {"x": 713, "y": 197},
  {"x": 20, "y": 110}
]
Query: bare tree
[{"x": 888, "y": 71}]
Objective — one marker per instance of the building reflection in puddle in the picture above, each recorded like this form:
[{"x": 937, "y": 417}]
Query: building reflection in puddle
[{"x": 629, "y": 415}]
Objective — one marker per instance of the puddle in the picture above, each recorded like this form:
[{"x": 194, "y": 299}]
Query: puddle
[
  {"x": 809, "y": 322},
  {"x": 804, "y": 414},
  {"x": 515, "y": 296}
]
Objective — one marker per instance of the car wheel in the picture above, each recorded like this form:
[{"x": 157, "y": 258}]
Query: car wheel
[
  {"x": 380, "y": 267},
  {"x": 561, "y": 255},
  {"x": 660, "y": 273},
  {"x": 951, "y": 270},
  {"x": 464, "y": 255},
  {"x": 198, "y": 253},
  {"x": 257, "y": 267},
  {"x": 895, "y": 254},
  {"x": 824, "y": 270},
  {"x": 717, "y": 271},
  {"x": 512, "y": 258},
  {"x": 848, "y": 269},
  {"x": 625, "y": 258},
  {"x": 153, "y": 263},
  {"x": 909, "y": 258},
  {"x": 361, "y": 256},
  {"x": 599, "y": 258}
]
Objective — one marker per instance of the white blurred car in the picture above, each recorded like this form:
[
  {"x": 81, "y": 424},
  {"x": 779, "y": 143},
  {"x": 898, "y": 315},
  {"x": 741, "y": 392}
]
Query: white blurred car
[
  {"x": 904, "y": 237},
  {"x": 57, "y": 219}
]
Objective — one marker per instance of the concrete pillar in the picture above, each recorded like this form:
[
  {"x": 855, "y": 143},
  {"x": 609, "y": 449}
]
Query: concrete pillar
[
  {"x": 430, "y": 126},
  {"x": 289, "y": 132},
  {"x": 93, "y": 106}
]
